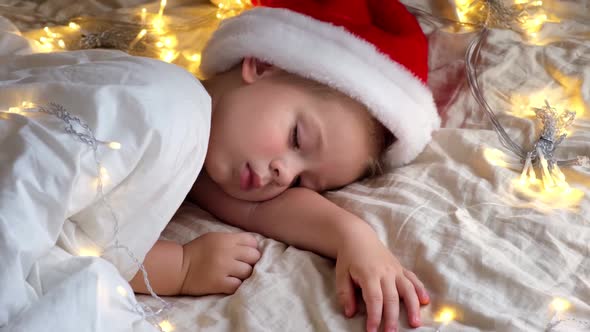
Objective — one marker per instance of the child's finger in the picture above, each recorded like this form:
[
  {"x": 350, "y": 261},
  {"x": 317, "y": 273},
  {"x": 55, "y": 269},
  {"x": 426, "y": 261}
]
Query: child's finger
[
  {"x": 408, "y": 293},
  {"x": 246, "y": 239},
  {"x": 247, "y": 254},
  {"x": 419, "y": 286},
  {"x": 373, "y": 296},
  {"x": 390, "y": 304},
  {"x": 345, "y": 291},
  {"x": 240, "y": 270},
  {"x": 230, "y": 285}
]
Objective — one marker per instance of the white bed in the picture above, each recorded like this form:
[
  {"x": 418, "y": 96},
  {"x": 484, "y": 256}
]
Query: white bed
[{"x": 492, "y": 253}]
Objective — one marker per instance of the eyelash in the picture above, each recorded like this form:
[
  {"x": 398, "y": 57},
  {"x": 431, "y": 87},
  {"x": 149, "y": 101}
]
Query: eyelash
[
  {"x": 295, "y": 137},
  {"x": 295, "y": 143}
]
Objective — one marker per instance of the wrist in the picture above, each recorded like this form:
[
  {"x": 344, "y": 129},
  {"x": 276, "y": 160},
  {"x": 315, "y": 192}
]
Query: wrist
[{"x": 354, "y": 231}]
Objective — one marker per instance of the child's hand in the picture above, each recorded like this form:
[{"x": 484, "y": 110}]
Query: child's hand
[
  {"x": 218, "y": 262},
  {"x": 364, "y": 261}
]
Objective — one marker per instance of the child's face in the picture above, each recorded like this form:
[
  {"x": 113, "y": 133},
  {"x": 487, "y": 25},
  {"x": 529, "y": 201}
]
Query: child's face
[{"x": 266, "y": 135}]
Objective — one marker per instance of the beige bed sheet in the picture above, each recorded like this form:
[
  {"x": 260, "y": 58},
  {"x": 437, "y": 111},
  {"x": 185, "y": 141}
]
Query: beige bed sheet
[{"x": 494, "y": 255}]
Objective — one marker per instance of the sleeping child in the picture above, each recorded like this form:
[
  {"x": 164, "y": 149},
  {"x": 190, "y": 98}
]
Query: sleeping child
[{"x": 301, "y": 97}]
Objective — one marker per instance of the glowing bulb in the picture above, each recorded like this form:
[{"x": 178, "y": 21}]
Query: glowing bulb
[
  {"x": 158, "y": 24},
  {"x": 139, "y": 36},
  {"x": 61, "y": 43},
  {"x": 170, "y": 42},
  {"x": 143, "y": 15},
  {"x": 560, "y": 305},
  {"x": 445, "y": 316},
  {"x": 122, "y": 291},
  {"x": 168, "y": 55},
  {"x": 195, "y": 57},
  {"x": 162, "y": 6},
  {"x": 89, "y": 252},
  {"x": 166, "y": 326},
  {"x": 50, "y": 33},
  {"x": 115, "y": 145},
  {"x": 73, "y": 26},
  {"x": 159, "y": 44},
  {"x": 104, "y": 175}
]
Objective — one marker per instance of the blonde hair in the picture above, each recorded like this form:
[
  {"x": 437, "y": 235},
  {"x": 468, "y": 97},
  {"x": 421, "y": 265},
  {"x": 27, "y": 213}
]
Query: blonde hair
[{"x": 381, "y": 137}]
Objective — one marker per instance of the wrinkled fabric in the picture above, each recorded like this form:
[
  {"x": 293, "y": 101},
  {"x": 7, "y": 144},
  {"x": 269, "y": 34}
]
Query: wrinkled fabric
[{"x": 51, "y": 210}]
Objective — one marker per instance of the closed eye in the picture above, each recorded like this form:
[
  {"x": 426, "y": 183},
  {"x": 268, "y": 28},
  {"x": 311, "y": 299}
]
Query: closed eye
[{"x": 295, "y": 137}]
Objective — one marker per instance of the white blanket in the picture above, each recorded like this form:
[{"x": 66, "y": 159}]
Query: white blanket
[{"x": 50, "y": 207}]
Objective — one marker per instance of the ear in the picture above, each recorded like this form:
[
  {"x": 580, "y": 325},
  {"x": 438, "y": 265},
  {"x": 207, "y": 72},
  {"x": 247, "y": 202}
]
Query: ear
[{"x": 254, "y": 69}]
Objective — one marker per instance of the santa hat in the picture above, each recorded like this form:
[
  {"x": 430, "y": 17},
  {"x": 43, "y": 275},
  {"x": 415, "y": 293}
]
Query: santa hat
[{"x": 372, "y": 50}]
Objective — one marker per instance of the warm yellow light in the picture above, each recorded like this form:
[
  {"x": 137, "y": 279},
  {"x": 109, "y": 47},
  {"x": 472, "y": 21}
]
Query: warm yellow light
[
  {"x": 139, "y": 36},
  {"x": 27, "y": 104},
  {"x": 121, "y": 290},
  {"x": 104, "y": 175},
  {"x": 115, "y": 145},
  {"x": 15, "y": 110},
  {"x": 168, "y": 55},
  {"x": 89, "y": 252},
  {"x": 495, "y": 157},
  {"x": 73, "y": 26},
  {"x": 158, "y": 24},
  {"x": 50, "y": 33},
  {"x": 162, "y": 6},
  {"x": 557, "y": 197},
  {"x": 170, "y": 41},
  {"x": 159, "y": 44},
  {"x": 143, "y": 15},
  {"x": 61, "y": 43},
  {"x": 445, "y": 316},
  {"x": 560, "y": 305},
  {"x": 166, "y": 326}
]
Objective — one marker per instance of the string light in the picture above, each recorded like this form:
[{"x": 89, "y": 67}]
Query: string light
[
  {"x": 143, "y": 15},
  {"x": 114, "y": 145},
  {"x": 139, "y": 36},
  {"x": 445, "y": 316},
  {"x": 166, "y": 326},
  {"x": 122, "y": 291},
  {"x": 91, "y": 252}
]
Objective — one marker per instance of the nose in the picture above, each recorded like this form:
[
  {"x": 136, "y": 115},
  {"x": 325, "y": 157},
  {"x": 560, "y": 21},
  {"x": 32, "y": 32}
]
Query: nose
[{"x": 282, "y": 174}]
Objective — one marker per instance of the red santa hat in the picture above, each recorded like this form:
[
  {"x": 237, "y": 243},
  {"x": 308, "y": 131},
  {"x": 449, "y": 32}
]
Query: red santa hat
[{"x": 372, "y": 50}]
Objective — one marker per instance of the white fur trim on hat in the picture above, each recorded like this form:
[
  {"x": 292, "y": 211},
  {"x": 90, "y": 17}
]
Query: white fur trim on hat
[{"x": 333, "y": 56}]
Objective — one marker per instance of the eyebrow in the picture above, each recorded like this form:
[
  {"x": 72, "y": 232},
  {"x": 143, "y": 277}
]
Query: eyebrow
[
  {"x": 319, "y": 134},
  {"x": 319, "y": 143}
]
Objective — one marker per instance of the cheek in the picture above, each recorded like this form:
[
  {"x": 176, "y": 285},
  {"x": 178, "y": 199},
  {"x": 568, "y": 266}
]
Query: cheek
[{"x": 268, "y": 139}]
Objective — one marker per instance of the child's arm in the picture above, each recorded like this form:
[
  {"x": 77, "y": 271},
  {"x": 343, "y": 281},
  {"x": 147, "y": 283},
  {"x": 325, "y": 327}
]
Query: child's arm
[{"x": 307, "y": 220}]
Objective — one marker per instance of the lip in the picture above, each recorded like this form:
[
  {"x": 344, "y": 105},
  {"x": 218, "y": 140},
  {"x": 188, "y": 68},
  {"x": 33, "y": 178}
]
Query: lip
[{"x": 249, "y": 179}]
